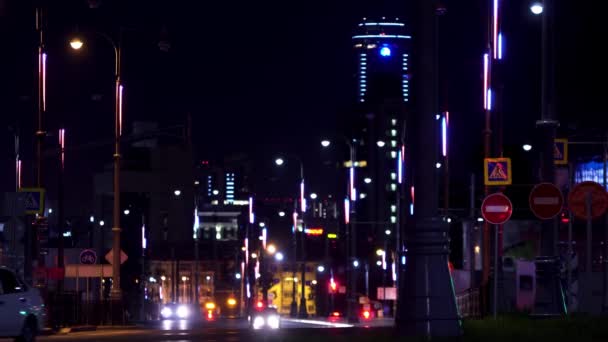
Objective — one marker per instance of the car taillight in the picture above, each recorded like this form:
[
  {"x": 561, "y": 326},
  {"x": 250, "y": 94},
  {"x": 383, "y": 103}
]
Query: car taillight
[
  {"x": 366, "y": 314},
  {"x": 335, "y": 314}
]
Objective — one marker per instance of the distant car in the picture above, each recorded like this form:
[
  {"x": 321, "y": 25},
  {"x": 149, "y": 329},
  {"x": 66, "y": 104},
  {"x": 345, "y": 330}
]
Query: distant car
[
  {"x": 175, "y": 311},
  {"x": 22, "y": 311},
  {"x": 265, "y": 318}
]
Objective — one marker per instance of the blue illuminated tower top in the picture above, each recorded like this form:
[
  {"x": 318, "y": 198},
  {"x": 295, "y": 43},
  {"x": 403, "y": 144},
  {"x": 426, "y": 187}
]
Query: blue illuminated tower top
[{"x": 382, "y": 51}]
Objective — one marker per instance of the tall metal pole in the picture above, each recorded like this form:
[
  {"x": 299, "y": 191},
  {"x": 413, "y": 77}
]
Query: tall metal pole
[
  {"x": 548, "y": 299},
  {"x": 605, "y": 259},
  {"x": 426, "y": 301},
  {"x": 352, "y": 294},
  {"x": 40, "y": 133},
  {"x": 303, "y": 313},
  {"x": 116, "y": 292},
  {"x": 293, "y": 308}
]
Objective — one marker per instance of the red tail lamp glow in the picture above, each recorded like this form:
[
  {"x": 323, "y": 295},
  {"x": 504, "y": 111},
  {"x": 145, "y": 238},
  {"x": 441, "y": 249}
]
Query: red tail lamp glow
[
  {"x": 366, "y": 314},
  {"x": 335, "y": 314}
]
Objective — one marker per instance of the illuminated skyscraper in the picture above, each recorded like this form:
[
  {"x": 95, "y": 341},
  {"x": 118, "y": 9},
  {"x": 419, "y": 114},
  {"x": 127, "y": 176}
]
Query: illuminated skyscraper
[{"x": 382, "y": 51}]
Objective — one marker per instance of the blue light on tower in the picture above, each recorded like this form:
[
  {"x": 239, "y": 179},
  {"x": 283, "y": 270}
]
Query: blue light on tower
[{"x": 385, "y": 51}]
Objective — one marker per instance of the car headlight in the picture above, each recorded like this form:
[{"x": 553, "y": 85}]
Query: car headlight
[
  {"x": 258, "y": 322},
  {"x": 166, "y": 312},
  {"x": 273, "y": 321},
  {"x": 182, "y": 311}
]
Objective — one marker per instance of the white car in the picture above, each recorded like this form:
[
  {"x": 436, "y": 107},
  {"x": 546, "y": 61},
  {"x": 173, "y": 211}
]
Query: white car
[{"x": 22, "y": 311}]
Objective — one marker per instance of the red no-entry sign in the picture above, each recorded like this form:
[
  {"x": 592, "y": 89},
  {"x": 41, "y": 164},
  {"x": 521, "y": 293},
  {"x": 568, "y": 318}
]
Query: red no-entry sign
[
  {"x": 496, "y": 208},
  {"x": 546, "y": 201},
  {"x": 577, "y": 200}
]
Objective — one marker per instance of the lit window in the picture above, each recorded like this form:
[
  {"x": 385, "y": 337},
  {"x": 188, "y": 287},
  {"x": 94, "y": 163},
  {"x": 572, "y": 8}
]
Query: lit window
[
  {"x": 393, "y": 176},
  {"x": 393, "y": 154},
  {"x": 393, "y": 208},
  {"x": 394, "y": 122},
  {"x": 393, "y": 132},
  {"x": 393, "y": 187},
  {"x": 393, "y": 219},
  {"x": 394, "y": 143}
]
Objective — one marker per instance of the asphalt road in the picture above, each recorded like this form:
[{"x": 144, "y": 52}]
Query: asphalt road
[{"x": 221, "y": 330}]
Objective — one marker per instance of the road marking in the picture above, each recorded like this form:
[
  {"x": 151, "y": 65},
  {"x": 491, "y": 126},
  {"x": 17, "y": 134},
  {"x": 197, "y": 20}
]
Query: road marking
[{"x": 323, "y": 323}]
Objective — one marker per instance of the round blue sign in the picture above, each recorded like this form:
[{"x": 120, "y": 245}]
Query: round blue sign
[{"x": 88, "y": 257}]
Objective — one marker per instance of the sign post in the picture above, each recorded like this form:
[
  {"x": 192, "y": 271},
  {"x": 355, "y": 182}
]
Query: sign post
[{"x": 496, "y": 209}]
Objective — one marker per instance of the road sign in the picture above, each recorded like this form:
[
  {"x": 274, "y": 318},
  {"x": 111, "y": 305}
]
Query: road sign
[
  {"x": 560, "y": 151},
  {"x": 497, "y": 171},
  {"x": 88, "y": 257},
  {"x": 88, "y": 271},
  {"x": 33, "y": 199},
  {"x": 123, "y": 256},
  {"x": 496, "y": 208},
  {"x": 578, "y": 196},
  {"x": 546, "y": 201}
]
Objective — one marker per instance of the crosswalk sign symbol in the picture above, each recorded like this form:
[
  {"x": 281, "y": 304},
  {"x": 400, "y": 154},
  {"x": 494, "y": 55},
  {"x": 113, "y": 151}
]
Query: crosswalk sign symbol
[
  {"x": 497, "y": 171},
  {"x": 560, "y": 151},
  {"x": 33, "y": 200}
]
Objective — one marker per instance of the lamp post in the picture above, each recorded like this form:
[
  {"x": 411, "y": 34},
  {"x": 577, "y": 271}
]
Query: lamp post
[
  {"x": 77, "y": 44},
  {"x": 548, "y": 294},
  {"x": 293, "y": 309},
  {"x": 351, "y": 237}
]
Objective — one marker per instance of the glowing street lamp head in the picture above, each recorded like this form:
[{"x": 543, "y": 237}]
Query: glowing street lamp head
[
  {"x": 313, "y": 196},
  {"x": 380, "y": 143},
  {"x": 325, "y": 143},
  {"x": 385, "y": 51},
  {"x": 281, "y": 213},
  {"x": 527, "y": 147},
  {"x": 536, "y": 8},
  {"x": 271, "y": 249},
  {"x": 76, "y": 43},
  {"x": 278, "y": 256},
  {"x": 279, "y": 161}
]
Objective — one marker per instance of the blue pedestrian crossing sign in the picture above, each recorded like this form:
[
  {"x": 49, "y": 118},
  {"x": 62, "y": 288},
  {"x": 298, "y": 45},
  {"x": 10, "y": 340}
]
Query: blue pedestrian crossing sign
[
  {"x": 33, "y": 200},
  {"x": 497, "y": 171},
  {"x": 560, "y": 152}
]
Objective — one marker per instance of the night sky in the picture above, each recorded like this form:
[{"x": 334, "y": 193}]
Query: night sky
[{"x": 273, "y": 75}]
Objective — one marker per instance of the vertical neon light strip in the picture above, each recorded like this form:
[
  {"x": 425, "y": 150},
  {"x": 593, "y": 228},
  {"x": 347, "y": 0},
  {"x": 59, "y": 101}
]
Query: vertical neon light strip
[
  {"x": 251, "y": 216},
  {"x": 353, "y": 191},
  {"x": 500, "y": 47},
  {"x": 120, "y": 88},
  {"x": 144, "y": 242},
  {"x": 295, "y": 222},
  {"x": 394, "y": 271},
  {"x": 43, "y": 81},
  {"x": 486, "y": 67},
  {"x": 444, "y": 136},
  {"x": 62, "y": 146},
  {"x": 400, "y": 165},
  {"x": 384, "y": 260},
  {"x": 302, "y": 197},
  {"x": 196, "y": 223},
  {"x": 19, "y": 174},
  {"x": 495, "y": 29},
  {"x": 412, "y": 193},
  {"x": 346, "y": 211},
  {"x": 489, "y": 107},
  {"x": 247, "y": 251},
  {"x": 264, "y": 236}
]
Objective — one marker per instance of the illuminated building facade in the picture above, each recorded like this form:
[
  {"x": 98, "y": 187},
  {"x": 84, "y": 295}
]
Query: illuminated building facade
[{"x": 382, "y": 52}]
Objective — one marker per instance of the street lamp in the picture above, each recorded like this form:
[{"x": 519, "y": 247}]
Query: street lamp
[
  {"x": 367, "y": 180},
  {"x": 536, "y": 8},
  {"x": 380, "y": 143},
  {"x": 177, "y": 193},
  {"x": 325, "y": 143},
  {"x": 279, "y": 161},
  {"x": 313, "y": 196},
  {"x": 281, "y": 213},
  {"x": 527, "y": 147},
  {"x": 271, "y": 249},
  {"x": 76, "y": 44},
  {"x": 278, "y": 256}
]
